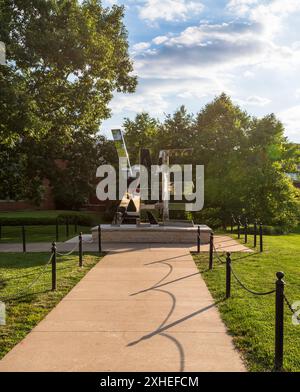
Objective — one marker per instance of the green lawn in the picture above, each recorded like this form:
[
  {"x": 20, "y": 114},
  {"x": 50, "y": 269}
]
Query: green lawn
[
  {"x": 17, "y": 271},
  {"x": 250, "y": 319},
  {"x": 13, "y": 234}
]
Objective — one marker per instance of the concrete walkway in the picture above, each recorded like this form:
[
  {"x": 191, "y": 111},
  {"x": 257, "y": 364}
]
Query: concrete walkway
[{"x": 139, "y": 309}]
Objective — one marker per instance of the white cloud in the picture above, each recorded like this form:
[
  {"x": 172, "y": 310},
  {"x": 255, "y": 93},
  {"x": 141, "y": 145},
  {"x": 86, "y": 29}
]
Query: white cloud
[
  {"x": 160, "y": 39},
  {"x": 270, "y": 13},
  {"x": 254, "y": 100},
  {"x": 170, "y": 10},
  {"x": 291, "y": 120},
  {"x": 297, "y": 93}
]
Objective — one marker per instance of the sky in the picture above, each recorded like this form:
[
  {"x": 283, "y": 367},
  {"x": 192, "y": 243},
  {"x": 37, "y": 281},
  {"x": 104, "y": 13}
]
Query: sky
[{"x": 189, "y": 51}]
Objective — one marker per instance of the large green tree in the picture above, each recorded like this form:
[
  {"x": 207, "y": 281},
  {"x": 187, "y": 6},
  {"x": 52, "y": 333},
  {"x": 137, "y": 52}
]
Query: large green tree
[
  {"x": 65, "y": 59},
  {"x": 68, "y": 57}
]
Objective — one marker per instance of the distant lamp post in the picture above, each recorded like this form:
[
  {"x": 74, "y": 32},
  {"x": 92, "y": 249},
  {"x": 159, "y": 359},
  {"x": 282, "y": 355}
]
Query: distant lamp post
[{"x": 2, "y": 53}]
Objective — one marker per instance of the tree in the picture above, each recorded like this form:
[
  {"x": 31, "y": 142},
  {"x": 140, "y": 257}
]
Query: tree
[
  {"x": 142, "y": 132},
  {"x": 67, "y": 58},
  {"x": 245, "y": 159}
]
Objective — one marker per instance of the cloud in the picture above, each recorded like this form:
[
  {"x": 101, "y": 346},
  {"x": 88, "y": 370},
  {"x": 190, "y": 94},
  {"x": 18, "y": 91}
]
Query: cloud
[
  {"x": 254, "y": 100},
  {"x": 203, "y": 50},
  {"x": 291, "y": 120},
  {"x": 170, "y": 10},
  {"x": 270, "y": 13}
]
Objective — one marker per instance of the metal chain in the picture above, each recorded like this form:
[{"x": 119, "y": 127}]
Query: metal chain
[
  {"x": 218, "y": 256},
  {"x": 22, "y": 292},
  {"x": 247, "y": 289},
  {"x": 290, "y": 307},
  {"x": 67, "y": 254}
]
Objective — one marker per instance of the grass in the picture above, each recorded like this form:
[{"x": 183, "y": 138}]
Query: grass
[
  {"x": 251, "y": 319},
  {"x": 17, "y": 271},
  {"x": 13, "y": 234},
  {"x": 43, "y": 233}
]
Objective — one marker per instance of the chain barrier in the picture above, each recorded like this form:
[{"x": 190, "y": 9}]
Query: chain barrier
[
  {"x": 22, "y": 292},
  {"x": 69, "y": 253},
  {"x": 246, "y": 288},
  {"x": 219, "y": 256},
  {"x": 291, "y": 307}
]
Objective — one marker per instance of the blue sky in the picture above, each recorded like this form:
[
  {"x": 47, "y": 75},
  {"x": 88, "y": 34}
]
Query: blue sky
[{"x": 189, "y": 51}]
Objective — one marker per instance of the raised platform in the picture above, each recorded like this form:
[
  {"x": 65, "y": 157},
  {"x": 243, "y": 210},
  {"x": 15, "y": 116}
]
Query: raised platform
[{"x": 151, "y": 234}]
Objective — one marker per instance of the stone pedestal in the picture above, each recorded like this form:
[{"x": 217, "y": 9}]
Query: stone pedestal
[{"x": 152, "y": 234}]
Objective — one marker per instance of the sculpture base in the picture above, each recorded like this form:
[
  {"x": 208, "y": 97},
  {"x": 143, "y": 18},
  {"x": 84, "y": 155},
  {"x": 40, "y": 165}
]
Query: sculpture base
[{"x": 152, "y": 234}]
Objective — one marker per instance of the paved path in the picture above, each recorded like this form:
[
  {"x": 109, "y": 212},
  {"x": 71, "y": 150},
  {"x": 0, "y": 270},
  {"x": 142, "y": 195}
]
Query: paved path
[
  {"x": 222, "y": 244},
  {"x": 142, "y": 309}
]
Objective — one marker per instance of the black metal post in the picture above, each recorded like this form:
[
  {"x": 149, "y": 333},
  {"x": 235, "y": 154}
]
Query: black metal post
[
  {"x": 211, "y": 250},
  {"x": 246, "y": 231},
  {"x": 239, "y": 228},
  {"x": 255, "y": 234},
  {"x": 99, "y": 239},
  {"x": 80, "y": 250},
  {"x": 279, "y": 324},
  {"x": 24, "y": 239},
  {"x": 67, "y": 226},
  {"x": 198, "y": 239},
  {"x": 261, "y": 246},
  {"x": 56, "y": 230},
  {"x": 53, "y": 263},
  {"x": 228, "y": 275}
]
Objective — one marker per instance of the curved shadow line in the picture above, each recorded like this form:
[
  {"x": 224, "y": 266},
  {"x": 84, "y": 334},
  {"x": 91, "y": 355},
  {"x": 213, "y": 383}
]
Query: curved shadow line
[
  {"x": 170, "y": 258},
  {"x": 174, "y": 323},
  {"x": 180, "y": 350},
  {"x": 172, "y": 307},
  {"x": 174, "y": 340},
  {"x": 168, "y": 274},
  {"x": 164, "y": 284}
]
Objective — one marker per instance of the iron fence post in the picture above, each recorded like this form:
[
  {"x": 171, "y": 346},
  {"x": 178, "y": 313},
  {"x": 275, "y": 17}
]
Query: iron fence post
[
  {"x": 99, "y": 239},
  {"x": 24, "y": 239},
  {"x": 80, "y": 250},
  {"x": 198, "y": 239},
  {"x": 211, "y": 250},
  {"x": 246, "y": 231},
  {"x": 53, "y": 264},
  {"x": 56, "y": 230},
  {"x": 279, "y": 322},
  {"x": 67, "y": 227},
  {"x": 228, "y": 275},
  {"x": 261, "y": 246}
]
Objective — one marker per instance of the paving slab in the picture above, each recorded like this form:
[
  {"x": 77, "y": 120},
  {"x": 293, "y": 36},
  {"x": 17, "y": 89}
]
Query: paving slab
[{"x": 137, "y": 310}]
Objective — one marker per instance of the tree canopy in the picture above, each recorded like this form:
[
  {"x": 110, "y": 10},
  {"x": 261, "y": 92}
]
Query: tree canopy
[
  {"x": 65, "y": 59},
  {"x": 245, "y": 159}
]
